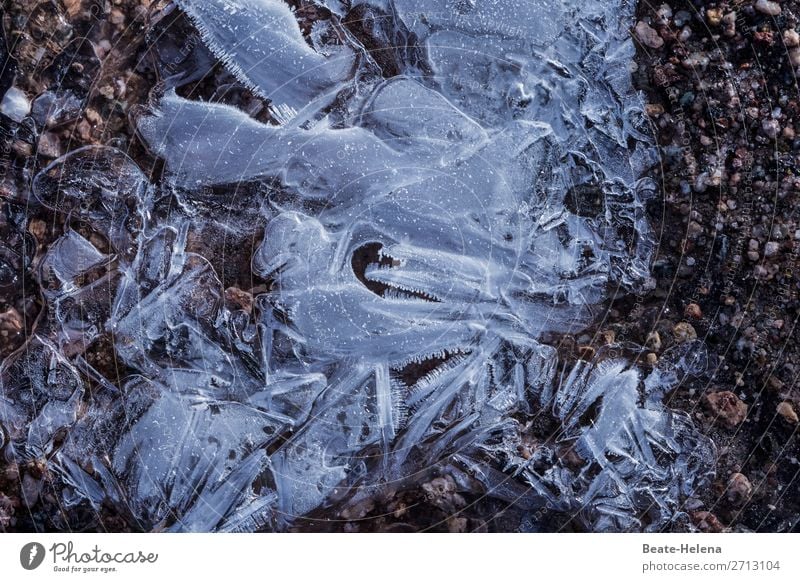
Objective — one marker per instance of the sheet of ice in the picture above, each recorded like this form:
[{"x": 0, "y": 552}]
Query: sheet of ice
[
  {"x": 446, "y": 188},
  {"x": 260, "y": 41}
]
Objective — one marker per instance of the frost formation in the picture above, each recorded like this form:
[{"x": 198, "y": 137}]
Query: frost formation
[{"x": 444, "y": 184}]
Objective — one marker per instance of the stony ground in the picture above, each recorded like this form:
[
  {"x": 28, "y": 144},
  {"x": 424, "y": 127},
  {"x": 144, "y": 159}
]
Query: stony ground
[
  {"x": 720, "y": 80},
  {"x": 720, "y": 88}
]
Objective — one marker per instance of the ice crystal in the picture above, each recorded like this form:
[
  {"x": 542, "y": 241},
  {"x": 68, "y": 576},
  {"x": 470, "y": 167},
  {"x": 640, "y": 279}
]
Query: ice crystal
[{"x": 444, "y": 186}]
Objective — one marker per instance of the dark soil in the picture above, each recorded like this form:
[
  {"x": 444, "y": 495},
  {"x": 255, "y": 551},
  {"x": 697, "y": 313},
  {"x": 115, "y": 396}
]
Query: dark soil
[{"x": 723, "y": 98}]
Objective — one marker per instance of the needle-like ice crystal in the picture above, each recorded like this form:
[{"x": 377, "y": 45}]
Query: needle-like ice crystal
[{"x": 447, "y": 183}]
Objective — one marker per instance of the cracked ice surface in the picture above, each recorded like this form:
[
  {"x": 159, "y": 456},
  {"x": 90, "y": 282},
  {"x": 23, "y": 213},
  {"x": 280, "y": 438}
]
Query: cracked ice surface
[{"x": 425, "y": 226}]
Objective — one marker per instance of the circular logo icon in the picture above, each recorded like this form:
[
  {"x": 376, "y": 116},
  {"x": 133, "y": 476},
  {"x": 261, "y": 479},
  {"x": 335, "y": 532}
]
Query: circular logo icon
[{"x": 31, "y": 555}]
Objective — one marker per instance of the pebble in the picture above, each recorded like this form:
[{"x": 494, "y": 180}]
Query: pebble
[
  {"x": 729, "y": 21},
  {"x": 727, "y": 407},
  {"x": 15, "y": 104},
  {"x": 654, "y": 109},
  {"x": 608, "y": 336},
  {"x": 648, "y": 35},
  {"x": 770, "y": 128},
  {"x": 49, "y": 145},
  {"x": 739, "y": 489},
  {"x": 768, "y": 7},
  {"x": 663, "y": 14},
  {"x": 791, "y": 38},
  {"x": 73, "y": 7},
  {"x": 653, "y": 341},
  {"x": 787, "y": 412},
  {"x": 707, "y": 522},
  {"x": 682, "y": 17},
  {"x": 714, "y": 16},
  {"x": 684, "y": 332},
  {"x": 693, "y": 310},
  {"x": 771, "y": 249}
]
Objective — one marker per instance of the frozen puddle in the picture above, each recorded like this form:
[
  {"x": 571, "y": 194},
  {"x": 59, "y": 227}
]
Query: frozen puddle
[{"x": 444, "y": 184}]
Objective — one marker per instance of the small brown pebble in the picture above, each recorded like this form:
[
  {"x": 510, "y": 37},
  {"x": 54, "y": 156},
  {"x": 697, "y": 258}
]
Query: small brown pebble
[
  {"x": 693, "y": 310},
  {"x": 608, "y": 336},
  {"x": 49, "y": 145},
  {"x": 653, "y": 341},
  {"x": 652, "y": 359},
  {"x": 790, "y": 38},
  {"x": 73, "y": 7},
  {"x": 787, "y": 412},
  {"x": 648, "y": 35},
  {"x": 714, "y": 16},
  {"x": 725, "y": 406},
  {"x": 106, "y": 91},
  {"x": 739, "y": 489},
  {"x": 706, "y": 522},
  {"x": 654, "y": 109},
  {"x": 764, "y": 37},
  {"x": 684, "y": 332},
  {"x": 586, "y": 353}
]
